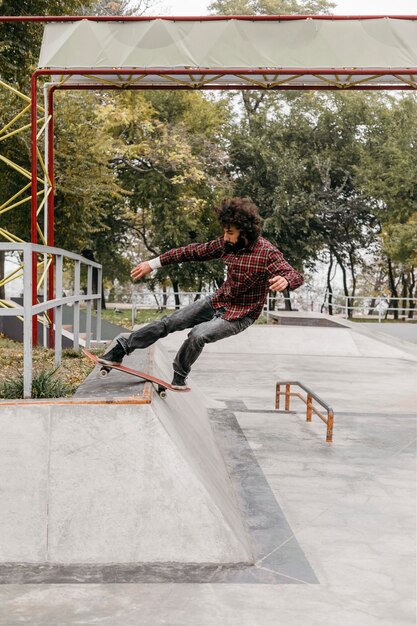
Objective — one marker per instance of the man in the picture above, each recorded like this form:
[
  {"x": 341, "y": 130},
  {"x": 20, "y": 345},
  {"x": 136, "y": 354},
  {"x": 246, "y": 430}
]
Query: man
[{"x": 254, "y": 266}]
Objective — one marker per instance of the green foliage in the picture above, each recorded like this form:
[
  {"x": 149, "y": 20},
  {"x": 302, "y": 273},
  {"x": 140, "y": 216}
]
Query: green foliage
[
  {"x": 271, "y": 7},
  {"x": 117, "y": 7},
  {"x": 297, "y": 155},
  {"x": 400, "y": 241},
  {"x": 45, "y": 384},
  {"x": 71, "y": 353},
  {"x": 20, "y": 41},
  {"x": 387, "y": 173},
  {"x": 170, "y": 159},
  {"x": 138, "y": 173},
  {"x": 90, "y": 211}
]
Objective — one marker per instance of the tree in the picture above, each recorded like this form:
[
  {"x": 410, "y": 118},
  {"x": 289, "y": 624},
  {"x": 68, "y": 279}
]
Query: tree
[
  {"x": 19, "y": 49},
  {"x": 119, "y": 7},
  {"x": 387, "y": 175},
  {"x": 20, "y": 41},
  {"x": 270, "y": 7},
  {"x": 171, "y": 162},
  {"x": 296, "y": 157},
  {"x": 90, "y": 205},
  {"x": 90, "y": 210}
]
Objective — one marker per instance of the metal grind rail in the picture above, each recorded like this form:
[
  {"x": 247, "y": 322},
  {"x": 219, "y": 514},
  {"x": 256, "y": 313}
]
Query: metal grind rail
[
  {"x": 308, "y": 401},
  {"x": 29, "y": 252}
]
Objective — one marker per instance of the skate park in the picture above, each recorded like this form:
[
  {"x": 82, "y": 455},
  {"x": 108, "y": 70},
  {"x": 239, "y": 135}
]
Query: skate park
[
  {"x": 217, "y": 506},
  {"x": 245, "y": 511}
]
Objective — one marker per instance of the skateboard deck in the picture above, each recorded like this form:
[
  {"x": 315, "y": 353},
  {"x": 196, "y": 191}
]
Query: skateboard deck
[{"x": 161, "y": 385}]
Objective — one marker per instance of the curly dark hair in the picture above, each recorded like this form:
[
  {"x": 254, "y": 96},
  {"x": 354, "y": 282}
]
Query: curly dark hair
[{"x": 242, "y": 213}]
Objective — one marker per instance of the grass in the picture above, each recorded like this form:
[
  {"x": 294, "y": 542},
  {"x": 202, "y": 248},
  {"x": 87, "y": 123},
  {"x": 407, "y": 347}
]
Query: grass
[
  {"x": 124, "y": 317},
  {"x": 144, "y": 316},
  {"x": 373, "y": 320},
  {"x": 45, "y": 384},
  {"x": 48, "y": 380}
]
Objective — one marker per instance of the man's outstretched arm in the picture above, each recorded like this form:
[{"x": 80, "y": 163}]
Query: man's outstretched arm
[
  {"x": 281, "y": 274},
  {"x": 193, "y": 252}
]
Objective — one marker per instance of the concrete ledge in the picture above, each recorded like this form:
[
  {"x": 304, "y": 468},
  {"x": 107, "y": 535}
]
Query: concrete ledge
[{"x": 263, "y": 517}]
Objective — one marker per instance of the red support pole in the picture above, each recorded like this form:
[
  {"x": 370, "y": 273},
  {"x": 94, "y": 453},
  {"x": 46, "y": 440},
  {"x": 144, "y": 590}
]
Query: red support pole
[
  {"x": 34, "y": 217},
  {"x": 51, "y": 211}
]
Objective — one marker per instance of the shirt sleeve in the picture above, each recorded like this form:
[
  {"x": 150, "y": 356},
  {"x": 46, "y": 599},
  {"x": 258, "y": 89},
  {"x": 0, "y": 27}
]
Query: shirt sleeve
[
  {"x": 194, "y": 252},
  {"x": 155, "y": 263},
  {"x": 277, "y": 265}
]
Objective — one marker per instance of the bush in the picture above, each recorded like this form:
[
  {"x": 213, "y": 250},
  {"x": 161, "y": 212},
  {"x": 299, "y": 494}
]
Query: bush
[
  {"x": 44, "y": 385},
  {"x": 70, "y": 353}
]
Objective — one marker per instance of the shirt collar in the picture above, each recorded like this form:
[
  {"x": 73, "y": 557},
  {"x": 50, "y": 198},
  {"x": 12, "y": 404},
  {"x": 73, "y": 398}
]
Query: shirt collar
[{"x": 251, "y": 246}]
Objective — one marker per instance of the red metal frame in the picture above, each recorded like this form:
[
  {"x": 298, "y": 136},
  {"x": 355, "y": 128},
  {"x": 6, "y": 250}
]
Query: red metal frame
[
  {"x": 200, "y": 18},
  {"x": 51, "y": 210},
  {"x": 172, "y": 72},
  {"x": 98, "y": 87},
  {"x": 224, "y": 72},
  {"x": 34, "y": 189}
]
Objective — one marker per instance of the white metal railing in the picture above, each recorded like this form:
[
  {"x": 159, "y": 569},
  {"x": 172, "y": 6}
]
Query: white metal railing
[
  {"x": 348, "y": 306},
  {"x": 160, "y": 300},
  {"x": 342, "y": 305},
  {"x": 28, "y": 310}
]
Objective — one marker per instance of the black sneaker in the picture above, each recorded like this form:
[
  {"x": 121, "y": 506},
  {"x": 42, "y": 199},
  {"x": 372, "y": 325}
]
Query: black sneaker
[
  {"x": 178, "y": 382},
  {"x": 113, "y": 356}
]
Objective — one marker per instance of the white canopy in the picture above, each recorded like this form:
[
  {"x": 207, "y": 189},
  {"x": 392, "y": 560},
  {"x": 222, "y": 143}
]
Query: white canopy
[{"x": 235, "y": 52}]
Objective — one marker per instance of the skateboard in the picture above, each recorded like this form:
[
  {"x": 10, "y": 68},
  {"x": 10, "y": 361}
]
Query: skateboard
[{"x": 161, "y": 385}]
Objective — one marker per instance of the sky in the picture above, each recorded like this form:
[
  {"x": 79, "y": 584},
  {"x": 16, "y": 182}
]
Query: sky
[{"x": 344, "y": 7}]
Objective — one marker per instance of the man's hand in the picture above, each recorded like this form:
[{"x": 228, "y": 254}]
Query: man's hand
[
  {"x": 278, "y": 283},
  {"x": 141, "y": 270}
]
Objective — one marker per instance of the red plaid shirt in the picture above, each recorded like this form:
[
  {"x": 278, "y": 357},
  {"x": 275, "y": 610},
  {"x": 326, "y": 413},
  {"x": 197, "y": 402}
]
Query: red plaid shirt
[{"x": 246, "y": 287}]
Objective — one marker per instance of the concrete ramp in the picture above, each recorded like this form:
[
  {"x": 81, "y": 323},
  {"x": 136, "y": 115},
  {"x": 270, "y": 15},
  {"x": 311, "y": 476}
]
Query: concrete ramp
[{"x": 116, "y": 484}]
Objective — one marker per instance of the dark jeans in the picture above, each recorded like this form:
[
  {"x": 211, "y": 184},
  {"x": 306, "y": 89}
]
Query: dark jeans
[{"x": 207, "y": 326}]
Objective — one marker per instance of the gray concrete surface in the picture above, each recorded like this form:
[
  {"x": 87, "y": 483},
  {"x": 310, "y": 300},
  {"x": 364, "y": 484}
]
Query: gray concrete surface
[
  {"x": 116, "y": 484},
  {"x": 116, "y": 383},
  {"x": 351, "y": 505},
  {"x": 403, "y": 331}
]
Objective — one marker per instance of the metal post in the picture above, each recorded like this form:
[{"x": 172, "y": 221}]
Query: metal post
[
  {"x": 76, "y": 318},
  {"x": 287, "y": 397},
  {"x": 34, "y": 206},
  {"x": 89, "y": 303},
  {"x": 330, "y": 419},
  {"x": 45, "y": 213},
  {"x": 98, "y": 322},
  {"x": 277, "y": 396},
  {"x": 346, "y": 308},
  {"x": 50, "y": 233},
  {"x": 27, "y": 323},
  {"x": 58, "y": 311},
  {"x": 309, "y": 407}
]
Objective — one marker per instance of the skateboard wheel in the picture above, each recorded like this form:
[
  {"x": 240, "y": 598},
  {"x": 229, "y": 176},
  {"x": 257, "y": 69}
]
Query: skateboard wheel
[
  {"x": 103, "y": 372},
  {"x": 163, "y": 394}
]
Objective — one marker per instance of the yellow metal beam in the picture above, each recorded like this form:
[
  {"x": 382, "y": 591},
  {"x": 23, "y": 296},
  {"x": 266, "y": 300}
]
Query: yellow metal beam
[
  {"x": 19, "y": 94},
  {"x": 16, "y": 195},
  {"x": 10, "y": 237},
  {"x": 12, "y": 276},
  {"x": 17, "y": 117},
  {"x": 19, "y": 168}
]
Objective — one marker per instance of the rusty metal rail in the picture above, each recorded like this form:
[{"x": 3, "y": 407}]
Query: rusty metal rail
[{"x": 308, "y": 401}]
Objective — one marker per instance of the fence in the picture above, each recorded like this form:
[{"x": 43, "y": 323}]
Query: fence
[
  {"x": 26, "y": 312},
  {"x": 160, "y": 300},
  {"x": 374, "y": 307}
]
